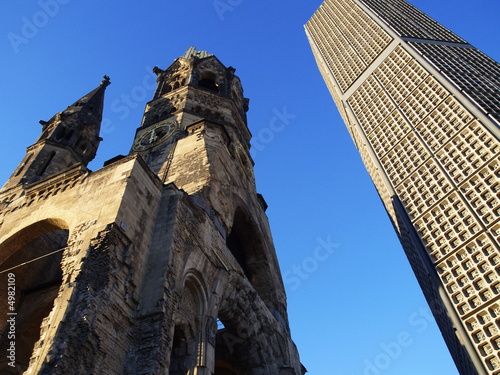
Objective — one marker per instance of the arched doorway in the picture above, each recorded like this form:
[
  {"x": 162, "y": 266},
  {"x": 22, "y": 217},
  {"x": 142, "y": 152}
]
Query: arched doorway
[{"x": 30, "y": 277}]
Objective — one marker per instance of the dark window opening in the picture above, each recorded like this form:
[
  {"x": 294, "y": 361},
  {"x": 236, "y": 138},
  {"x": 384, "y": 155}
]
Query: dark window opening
[
  {"x": 45, "y": 164},
  {"x": 37, "y": 285},
  {"x": 236, "y": 244},
  {"x": 68, "y": 134},
  {"x": 208, "y": 84},
  {"x": 60, "y": 132},
  {"x": 182, "y": 357},
  {"x": 246, "y": 245},
  {"x": 229, "y": 346}
]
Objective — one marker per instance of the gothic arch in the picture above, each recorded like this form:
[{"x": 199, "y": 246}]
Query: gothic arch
[
  {"x": 22, "y": 237},
  {"x": 248, "y": 248},
  {"x": 31, "y": 258},
  {"x": 240, "y": 344},
  {"x": 188, "y": 326}
]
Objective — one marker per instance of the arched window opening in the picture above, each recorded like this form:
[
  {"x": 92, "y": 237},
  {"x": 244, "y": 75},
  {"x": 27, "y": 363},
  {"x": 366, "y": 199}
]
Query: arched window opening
[
  {"x": 60, "y": 132},
  {"x": 182, "y": 355},
  {"x": 46, "y": 162},
  {"x": 68, "y": 134},
  {"x": 186, "y": 348},
  {"x": 236, "y": 243},
  {"x": 35, "y": 269},
  {"x": 208, "y": 81},
  {"x": 245, "y": 243}
]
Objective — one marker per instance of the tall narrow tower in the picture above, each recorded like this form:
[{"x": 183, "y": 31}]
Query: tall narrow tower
[
  {"x": 423, "y": 108},
  {"x": 161, "y": 262}
]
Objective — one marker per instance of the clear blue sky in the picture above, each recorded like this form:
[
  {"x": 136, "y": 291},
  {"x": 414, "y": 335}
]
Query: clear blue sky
[{"x": 354, "y": 305}]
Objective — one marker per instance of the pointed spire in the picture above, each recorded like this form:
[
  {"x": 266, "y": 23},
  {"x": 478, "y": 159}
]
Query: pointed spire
[
  {"x": 85, "y": 113},
  {"x": 78, "y": 126},
  {"x": 89, "y": 108},
  {"x": 70, "y": 137}
]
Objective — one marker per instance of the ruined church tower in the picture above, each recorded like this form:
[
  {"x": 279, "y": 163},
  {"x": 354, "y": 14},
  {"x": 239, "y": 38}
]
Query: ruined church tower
[{"x": 162, "y": 261}]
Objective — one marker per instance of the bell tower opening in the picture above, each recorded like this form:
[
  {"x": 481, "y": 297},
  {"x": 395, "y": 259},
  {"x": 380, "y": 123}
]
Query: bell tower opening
[
  {"x": 208, "y": 81},
  {"x": 32, "y": 276}
]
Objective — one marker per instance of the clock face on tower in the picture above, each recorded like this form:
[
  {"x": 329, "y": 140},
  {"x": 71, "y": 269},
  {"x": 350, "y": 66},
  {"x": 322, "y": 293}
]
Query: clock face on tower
[{"x": 155, "y": 135}]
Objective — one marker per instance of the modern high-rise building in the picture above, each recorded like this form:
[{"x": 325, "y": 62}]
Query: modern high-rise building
[
  {"x": 162, "y": 261},
  {"x": 423, "y": 108}
]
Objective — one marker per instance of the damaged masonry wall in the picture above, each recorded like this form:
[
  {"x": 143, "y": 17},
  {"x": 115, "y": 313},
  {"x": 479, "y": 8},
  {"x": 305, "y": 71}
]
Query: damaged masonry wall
[{"x": 126, "y": 269}]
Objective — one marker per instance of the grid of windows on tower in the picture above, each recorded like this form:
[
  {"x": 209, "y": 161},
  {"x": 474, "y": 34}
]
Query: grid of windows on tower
[
  {"x": 444, "y": 167},
  {"x": 409, "y": 21},
  {"x": 349, "y": 41},
  {"x": 475, "y": 73},
  {"x": 430, "y": 154}
]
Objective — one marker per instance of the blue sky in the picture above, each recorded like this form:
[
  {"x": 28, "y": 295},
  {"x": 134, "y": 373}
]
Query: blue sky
[{"x": 354, "y": 305}]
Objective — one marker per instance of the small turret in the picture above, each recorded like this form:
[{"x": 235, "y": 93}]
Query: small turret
[{"x": 70, "y": 137}]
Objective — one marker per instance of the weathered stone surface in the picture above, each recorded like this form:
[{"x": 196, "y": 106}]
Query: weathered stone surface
[{"x": 163, "y": 261}]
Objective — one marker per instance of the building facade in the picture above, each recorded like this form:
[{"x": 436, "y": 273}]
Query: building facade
[
  {"x": 162, "y": 261},
  {"x": 423, "y": 108}
]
